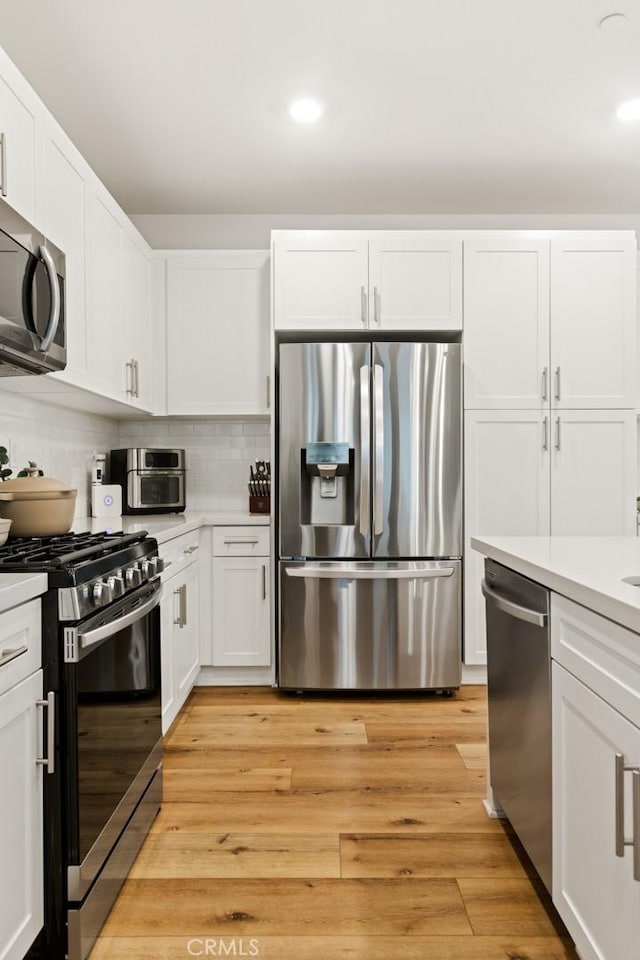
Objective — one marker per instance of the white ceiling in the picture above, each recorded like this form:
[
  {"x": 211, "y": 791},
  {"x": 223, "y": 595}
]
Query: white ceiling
[{"x": 452, "y": 106}]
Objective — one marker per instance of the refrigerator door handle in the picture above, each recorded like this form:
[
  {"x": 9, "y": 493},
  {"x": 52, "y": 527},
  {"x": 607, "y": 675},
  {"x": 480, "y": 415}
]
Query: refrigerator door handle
[
  {"x": 365, "y": 453},
  {"x": 378, "y": 439},
  {"x": 337, "y": 573}
]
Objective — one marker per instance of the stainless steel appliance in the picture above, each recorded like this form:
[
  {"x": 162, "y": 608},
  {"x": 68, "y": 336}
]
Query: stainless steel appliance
[
  {"x": 369, "y": 515},
  {"x": 32, "y": 306},
  {"x": 519, "y": 692},
  {"x": 152, "y": 480},
  {"x": 101, "y": 664}
]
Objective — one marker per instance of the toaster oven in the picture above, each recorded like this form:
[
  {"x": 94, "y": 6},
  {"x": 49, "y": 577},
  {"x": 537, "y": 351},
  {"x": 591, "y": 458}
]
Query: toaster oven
[{"x": 152, "y": 479}]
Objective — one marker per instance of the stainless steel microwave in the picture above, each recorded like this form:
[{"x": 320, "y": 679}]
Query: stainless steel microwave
[
  {"x": 32, "y": 302},
  {"x": 152, "y": 479}
]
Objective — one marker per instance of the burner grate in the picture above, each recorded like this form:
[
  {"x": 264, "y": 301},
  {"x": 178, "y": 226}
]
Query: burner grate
[{"x": 65, "y": 550}]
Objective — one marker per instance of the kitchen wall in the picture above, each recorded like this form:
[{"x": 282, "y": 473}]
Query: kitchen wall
[
  {"x": 218, "y": 455},
  {"x": 61, "y": 441}
]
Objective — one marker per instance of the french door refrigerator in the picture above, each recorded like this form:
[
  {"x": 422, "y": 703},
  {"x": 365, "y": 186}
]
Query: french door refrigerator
[{"x": 369, "y": 516}]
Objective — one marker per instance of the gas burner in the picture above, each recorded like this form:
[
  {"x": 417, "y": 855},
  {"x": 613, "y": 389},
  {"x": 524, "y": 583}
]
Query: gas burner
[{"x": 67, "y": 550}]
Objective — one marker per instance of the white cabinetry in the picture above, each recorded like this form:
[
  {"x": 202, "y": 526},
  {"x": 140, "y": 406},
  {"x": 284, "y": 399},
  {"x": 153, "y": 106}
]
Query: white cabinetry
[
  {"x": 21, "y": 787},
  {"x": 218, "y": 333},
  {"x": 594, "y": 888},
  {"x": 105, "y": 333},
  {"x": 20, "y": 113},
  {"x": 550, "y": 439},
  {"x": 180, "y": 623},
  {"x": 138, "y": 331},
  {"x": 349, "y": 280},
  {"x": 241, "y": 586}
]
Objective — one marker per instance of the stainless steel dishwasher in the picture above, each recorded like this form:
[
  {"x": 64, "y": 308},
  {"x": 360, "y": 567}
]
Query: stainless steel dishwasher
[{"x": 519, "y": 693}]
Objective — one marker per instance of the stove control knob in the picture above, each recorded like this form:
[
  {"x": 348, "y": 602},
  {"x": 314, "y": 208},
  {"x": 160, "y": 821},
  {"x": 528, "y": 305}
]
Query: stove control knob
[
  {"x": 117, "y": 585},
  {"x": 145, "y": 568},
  {"x": 100, "y": 594},
  {"x": 132, "y": 577},
  {"x": 157, "y": 565}
]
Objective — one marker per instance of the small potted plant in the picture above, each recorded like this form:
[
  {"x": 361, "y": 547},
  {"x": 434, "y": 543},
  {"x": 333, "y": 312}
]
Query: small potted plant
[{"x": 5, "y": 472}]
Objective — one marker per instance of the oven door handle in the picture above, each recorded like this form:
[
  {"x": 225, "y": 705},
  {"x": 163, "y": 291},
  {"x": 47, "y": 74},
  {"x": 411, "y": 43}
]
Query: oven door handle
[{"x": 109, "y": 629}]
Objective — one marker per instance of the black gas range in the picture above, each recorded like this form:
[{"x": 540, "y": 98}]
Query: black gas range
[{"x": 102, "y": 681}]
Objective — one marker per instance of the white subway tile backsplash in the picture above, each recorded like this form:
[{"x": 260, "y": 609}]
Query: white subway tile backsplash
[{"x": 218, "y": 455}]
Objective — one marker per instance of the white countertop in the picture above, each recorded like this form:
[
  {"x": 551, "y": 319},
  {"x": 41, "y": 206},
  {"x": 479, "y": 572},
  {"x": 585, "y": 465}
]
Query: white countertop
[
  {"x": 589, "y": 570},
  {"x": 165, "y": 526},
  {"x": 17, "y": 588}
]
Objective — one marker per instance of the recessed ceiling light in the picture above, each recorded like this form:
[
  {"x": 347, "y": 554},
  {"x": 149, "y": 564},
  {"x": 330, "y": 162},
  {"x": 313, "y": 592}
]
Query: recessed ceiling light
[
  {"x": 629, "y": 111},
  {"x": 614, "y": 21},
  {"x": 305, "y": 111}
]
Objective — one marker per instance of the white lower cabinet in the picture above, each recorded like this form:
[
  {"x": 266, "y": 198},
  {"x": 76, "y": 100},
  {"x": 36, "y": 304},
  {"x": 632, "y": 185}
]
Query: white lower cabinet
[
  {"x": 179, "y": 623},
  {"x": 594, "y": 889},
  {"x": 21, "y": 786},
  {"x": 241, "y": 585}
]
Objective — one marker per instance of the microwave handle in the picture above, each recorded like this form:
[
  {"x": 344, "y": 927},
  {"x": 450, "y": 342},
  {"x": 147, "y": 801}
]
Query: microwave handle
[{"x": 54, "y": 313}]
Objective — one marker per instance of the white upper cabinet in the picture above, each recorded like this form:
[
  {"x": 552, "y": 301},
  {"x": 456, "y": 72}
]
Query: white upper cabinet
[
  {"x": 218, "y": 352},
  {"x": 593, "y": 473},
  {"x": 593, "y": 319},
  {"x": 415, "y": 281},
  {"x": 20, "y": 112},
  {"x": 105, "y": 333},
  {"x": 349, "y": 280},
  {"x": 506, "y": 312},
  {"x": 321, "y": 280},
  {"x": 138, "y": 332},
  {"x": 63, "y": 198}
]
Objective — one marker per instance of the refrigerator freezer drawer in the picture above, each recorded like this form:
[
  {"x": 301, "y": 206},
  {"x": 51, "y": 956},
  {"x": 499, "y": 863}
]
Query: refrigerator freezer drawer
[{"x": 364, "y": 625}]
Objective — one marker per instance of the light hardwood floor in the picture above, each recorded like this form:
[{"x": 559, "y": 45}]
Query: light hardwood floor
[{"x": 330, "y": 829}]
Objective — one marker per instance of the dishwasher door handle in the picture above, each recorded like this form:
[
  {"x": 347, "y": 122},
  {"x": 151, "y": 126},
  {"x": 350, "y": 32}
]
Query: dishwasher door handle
[{"x": 514, "y": 609}]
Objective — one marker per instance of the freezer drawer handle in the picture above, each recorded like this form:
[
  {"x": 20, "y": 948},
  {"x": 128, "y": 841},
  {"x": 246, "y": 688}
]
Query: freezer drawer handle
[
  {"x": 327, "y": 573},
  {"x": 513, "y": 609},
  {"x": 621, "y": 843}
]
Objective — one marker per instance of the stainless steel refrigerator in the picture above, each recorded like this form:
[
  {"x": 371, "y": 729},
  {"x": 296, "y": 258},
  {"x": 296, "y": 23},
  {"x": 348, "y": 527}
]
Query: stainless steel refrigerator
[{"x": 369, "y": 494}]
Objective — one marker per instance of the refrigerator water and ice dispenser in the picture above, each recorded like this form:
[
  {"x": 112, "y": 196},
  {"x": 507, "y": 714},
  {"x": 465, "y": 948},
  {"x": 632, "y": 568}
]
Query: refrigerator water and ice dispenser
[{"x": 327, "y": 483}]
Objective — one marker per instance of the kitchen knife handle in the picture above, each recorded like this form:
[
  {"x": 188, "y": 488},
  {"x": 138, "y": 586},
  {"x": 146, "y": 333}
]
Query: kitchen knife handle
[
  {"x": 365, "y": 450},
  {"x": 378, "y": 433}
]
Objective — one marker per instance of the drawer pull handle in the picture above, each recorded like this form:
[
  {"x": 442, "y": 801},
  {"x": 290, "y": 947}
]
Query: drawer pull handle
[
  {"x": 191, "y": 549},
  {"x": 8, "y": 655},
  {"x": 237, "y": 540},
  {"x": 621, "y": 843},
  {"x": 50, "y": 760}
]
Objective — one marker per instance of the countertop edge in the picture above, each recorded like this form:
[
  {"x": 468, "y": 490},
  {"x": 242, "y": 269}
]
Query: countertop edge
[
  {"x": 19, "y": 588},
  {"x": 168, "y": 526},
  {"x": 613, "y": 608}
]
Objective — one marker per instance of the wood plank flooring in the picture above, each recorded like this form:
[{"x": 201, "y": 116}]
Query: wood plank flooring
[{"x": 330, "y": 829}]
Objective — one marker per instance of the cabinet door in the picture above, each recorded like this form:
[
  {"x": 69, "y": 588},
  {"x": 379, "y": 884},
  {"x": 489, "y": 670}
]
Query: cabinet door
[
  {"x": 415, "y": 282},
  {"x": 506, "y": 322},
  {"x": 21, "y": 818},
  {"x": 241, "y": 635},
  {"x": 186, "y": 635},
  {"x": 593, "y": 320},
  {"x": 137, "y": 320},
  {"x": 593, "y": 889},
  {"x": 62, "y": 202},
  {"x": 105, "y": 329},
  {"x": 593, "y": 473},
  {"x": 507, "y": 492},
  {"x": 19, "y": 109},
  {"x": 218, "y": 334},
  {"x": 320, "y": 279}
]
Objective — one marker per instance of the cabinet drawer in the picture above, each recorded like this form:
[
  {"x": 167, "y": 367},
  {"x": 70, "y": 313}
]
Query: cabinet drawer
[
  {"x": 241, "y": 541},
  {"x": 600, "y": 653},
  {"x": 20, "y": 643},
  {"x": 179, "y": 552}
]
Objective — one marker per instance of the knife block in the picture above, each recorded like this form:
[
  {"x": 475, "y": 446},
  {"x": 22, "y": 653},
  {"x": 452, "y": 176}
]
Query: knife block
[{"x": 259, "y": 504}]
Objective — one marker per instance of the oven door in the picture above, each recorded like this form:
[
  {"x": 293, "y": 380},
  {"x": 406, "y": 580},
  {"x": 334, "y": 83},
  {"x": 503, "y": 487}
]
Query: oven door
[
  {"x": 155, "y": 490},
  {"x": 112, "y": 727}
]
